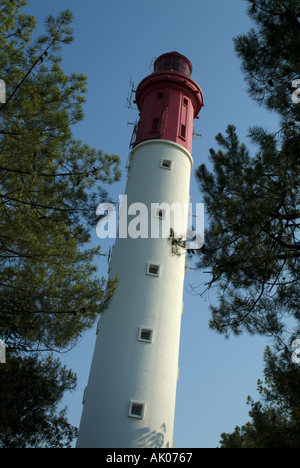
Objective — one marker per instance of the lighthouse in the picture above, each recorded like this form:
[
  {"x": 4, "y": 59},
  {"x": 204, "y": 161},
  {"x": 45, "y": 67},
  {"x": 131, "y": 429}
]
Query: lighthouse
[{"x": 129, "y": 401}]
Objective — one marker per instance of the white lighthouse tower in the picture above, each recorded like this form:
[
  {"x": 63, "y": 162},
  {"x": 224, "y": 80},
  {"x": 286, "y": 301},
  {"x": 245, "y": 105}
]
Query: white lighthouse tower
[{"x": 129, "y": 401}]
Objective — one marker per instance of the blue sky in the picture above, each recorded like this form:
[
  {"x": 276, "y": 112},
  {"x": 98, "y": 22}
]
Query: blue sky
[{"x": 115, "y": 40}]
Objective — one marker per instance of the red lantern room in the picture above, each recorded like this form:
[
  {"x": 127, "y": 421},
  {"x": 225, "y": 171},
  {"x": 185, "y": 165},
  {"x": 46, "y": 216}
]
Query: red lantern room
[{"x": 168, "y": 100}]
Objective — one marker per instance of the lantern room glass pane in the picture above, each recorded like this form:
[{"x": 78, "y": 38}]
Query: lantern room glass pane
[{"x": 173, "y": 63}]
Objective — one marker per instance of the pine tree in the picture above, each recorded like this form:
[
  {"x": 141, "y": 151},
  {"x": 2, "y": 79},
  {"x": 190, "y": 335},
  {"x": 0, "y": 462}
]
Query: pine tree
[
  {"x": 252, "y": 246},
  {"x": 49, "y": 291},
  {"x": 50, "y": 187},
  {"x": 275, "y": 421},
  {"x": 31, "y": 390}
]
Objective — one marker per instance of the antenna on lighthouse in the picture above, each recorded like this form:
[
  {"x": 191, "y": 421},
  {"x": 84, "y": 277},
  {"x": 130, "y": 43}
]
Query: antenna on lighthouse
[
  {"x": 196, "y": 134},
  {"x": 130, "y": 101},
  {"x": 152, "y": 63}
]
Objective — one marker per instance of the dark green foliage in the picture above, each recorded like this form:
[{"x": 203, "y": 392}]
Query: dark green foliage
[
  {"x": 49, "y": 292},
  {"x": 30, "y": 391},
  {"x": 252, "y": 246},
  {"x": 270, "y": 55},
  {"x": 275, "y": 422},
  {"x": 50, "y": 187}
]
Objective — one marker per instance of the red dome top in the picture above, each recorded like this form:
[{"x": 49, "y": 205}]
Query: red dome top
[{"x": 173, "y": 61}]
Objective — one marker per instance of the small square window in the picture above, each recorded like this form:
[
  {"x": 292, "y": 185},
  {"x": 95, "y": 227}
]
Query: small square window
[
  {"x": 166, "y": 164},
  {"x": 182, "y": 132},
  {"x": 136, "y": 409},
  {"x": 153, "y": 269},
  {"x": 160, "y": 95},
  {"x": 146, "y": 334},
  {"x": 185, "y": 101},
  {"x": 155, "y": 125}
]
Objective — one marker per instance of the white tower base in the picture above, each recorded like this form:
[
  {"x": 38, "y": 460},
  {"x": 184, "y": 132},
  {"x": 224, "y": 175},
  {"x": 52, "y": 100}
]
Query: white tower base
[{"x": 130, "y": 398}]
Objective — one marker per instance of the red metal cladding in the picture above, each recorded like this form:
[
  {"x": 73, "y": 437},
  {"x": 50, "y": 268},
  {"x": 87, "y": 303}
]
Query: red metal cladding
[{"x": 168, "y": 101}]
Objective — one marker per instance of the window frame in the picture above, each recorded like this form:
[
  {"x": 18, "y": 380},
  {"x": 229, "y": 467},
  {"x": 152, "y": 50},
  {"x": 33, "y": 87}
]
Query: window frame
[
  {"x": 139, "y": 404},
  {"x": 155, "y": 125},
  {"x": 145, "y": 330},
  {"x": 183, "y": 131},
  {"x": 150, "y": 265},
  {"x": 169, "y": 167}
]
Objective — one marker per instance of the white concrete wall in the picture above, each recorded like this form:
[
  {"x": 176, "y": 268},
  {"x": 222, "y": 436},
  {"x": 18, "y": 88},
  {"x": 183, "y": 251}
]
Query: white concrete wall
[{"x": 124, "y": 368}]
